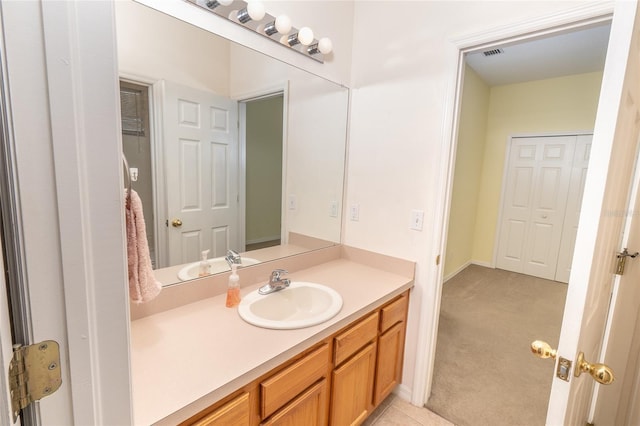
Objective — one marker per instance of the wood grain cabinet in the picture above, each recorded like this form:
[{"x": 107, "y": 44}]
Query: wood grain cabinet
[
  {"x": 235, "y": 412},
  {"x": 354, "y": 372},
  {"x": 339, "y": 381},
  {"x": 393, "y": 318},
  {"x": 289, "y": 389}
]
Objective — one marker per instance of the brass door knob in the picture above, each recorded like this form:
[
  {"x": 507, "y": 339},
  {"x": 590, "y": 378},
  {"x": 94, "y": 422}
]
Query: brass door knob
[
  {"x": 176, "y": 223},
  {"x": 543, "y": 350},
  {"x": 601, "y": 373}
]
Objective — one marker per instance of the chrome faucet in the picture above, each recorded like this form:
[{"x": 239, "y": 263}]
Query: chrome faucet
[
  {"x": 276, "y": 282},
  {"x": 233, "y": 257}
]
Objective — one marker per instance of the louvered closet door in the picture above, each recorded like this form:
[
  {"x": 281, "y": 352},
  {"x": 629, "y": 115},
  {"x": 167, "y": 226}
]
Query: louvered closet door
[
  {"x": 201, "y": 160},
  {"x": 534, "y": 203}
]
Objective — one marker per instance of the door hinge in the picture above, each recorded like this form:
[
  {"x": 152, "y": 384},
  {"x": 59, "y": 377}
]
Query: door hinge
[
  {"x": 621, "y": 259},
  {"x": 34, "y": 372}
]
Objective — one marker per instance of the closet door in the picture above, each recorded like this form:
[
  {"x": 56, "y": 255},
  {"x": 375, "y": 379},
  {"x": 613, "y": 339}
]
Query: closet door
[
  {"x": 576, "y": 189},
  {"x": 534, "y": 201}
]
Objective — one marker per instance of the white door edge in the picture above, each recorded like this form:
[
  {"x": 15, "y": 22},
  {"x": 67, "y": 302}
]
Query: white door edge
[{"x": 430, "y": 303}]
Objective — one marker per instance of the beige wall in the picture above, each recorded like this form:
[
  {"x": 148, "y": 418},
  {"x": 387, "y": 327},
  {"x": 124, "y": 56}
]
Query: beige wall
[
  {"x": 468, "y": 171},
  {"x": 562, "y": 104}
]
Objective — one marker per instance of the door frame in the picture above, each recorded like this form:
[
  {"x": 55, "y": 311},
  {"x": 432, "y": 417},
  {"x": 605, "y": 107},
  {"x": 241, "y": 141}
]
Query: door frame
[
  {"x": 242, "y": 99},
  {"x": 505, "y": 171},
  {"x": 576, "y": 18}
]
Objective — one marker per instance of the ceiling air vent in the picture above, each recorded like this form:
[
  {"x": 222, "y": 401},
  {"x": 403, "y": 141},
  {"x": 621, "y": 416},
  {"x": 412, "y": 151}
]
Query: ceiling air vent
[{"x": 492, "y": 52}]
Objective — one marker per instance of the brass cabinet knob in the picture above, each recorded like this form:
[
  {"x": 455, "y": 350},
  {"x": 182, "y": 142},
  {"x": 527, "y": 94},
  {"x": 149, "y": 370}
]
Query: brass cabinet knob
[
  {"x": 176, "y": 223},
  {"x": 543, "y": 350},
  {"x": 601, "y": 373}
]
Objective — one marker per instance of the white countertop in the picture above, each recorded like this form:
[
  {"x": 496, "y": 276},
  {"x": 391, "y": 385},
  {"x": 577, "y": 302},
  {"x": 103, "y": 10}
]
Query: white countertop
[{"x": 187, "y": 358}]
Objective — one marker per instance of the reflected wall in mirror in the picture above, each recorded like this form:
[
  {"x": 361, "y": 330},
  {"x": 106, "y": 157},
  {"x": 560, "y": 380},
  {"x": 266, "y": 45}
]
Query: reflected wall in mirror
[{"x": 228, "y": 148}]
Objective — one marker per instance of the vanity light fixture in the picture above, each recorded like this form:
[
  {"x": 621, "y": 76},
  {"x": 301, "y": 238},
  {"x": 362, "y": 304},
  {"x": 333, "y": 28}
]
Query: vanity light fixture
[
  {"x": 254, "y": 10},
  {"x": 304, "y": 36},
  {"x": 324, "y": 46},
  {"x": 212, "y": 4},
  {"x": 251, "y": 13},
  {"x": 282, "y": 25}
]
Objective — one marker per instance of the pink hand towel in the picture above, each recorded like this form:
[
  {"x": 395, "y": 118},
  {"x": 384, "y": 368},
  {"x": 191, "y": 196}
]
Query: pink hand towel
[{"x": 142, "y": 283}]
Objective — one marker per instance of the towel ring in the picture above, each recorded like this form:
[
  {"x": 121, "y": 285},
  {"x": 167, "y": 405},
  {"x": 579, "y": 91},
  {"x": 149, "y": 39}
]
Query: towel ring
[{"x": 128, "y": 173}]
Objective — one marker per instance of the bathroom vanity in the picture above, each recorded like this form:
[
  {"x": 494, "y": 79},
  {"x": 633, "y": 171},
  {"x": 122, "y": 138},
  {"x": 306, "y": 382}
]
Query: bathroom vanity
[{"x": 196, "y": 362}]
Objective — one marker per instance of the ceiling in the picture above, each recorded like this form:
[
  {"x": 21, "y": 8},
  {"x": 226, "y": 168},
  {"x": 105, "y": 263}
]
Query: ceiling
[{"x": 574, "y": 52}]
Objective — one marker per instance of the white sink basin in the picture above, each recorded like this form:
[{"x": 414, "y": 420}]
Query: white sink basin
[
  {"x": 218, "y": 264},
  {"x": 300, "y": 305}
]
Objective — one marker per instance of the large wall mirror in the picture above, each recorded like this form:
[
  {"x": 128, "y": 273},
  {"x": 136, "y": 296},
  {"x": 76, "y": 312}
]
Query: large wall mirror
[{"x": 228, "y": 148}]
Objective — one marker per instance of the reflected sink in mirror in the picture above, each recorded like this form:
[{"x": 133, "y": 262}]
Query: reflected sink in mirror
[
  {"x": 300, "y": 305},
  {"x": 219, "y": 264}
]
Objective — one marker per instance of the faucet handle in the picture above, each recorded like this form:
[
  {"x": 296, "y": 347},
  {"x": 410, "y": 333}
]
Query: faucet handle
[{"x": 277, "y": 273}]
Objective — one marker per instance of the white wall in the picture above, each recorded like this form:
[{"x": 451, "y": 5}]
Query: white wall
[
  {"x": 403, "y": 72},
  {"x": 156, "y": 46}
]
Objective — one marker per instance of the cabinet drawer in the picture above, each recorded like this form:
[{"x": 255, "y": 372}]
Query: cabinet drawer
[
  {"x": 288, "y": 383},
  {"x": 348, "y": 343},
  {"x": 234, "y": 412},
  {"x": 393, "y": 313}
]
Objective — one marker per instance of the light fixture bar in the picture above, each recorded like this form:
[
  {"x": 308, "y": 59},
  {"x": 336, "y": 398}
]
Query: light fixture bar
[{"x": 252, "y": 16}]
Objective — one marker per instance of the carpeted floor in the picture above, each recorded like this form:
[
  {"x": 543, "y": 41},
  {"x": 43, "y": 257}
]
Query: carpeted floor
[{"x": 485, "y": 373}]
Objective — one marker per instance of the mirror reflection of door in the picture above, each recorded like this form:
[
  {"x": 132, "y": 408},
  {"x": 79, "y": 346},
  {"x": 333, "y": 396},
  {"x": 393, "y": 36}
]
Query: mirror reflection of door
[
  {"x": 263, "y": 124},
  {"x": 137, "y": 149},
  {"x": 200, "y": 148}
]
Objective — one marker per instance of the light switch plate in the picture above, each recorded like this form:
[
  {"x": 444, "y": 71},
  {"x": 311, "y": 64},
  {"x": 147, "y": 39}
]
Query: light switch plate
[
  {"x": 333, "y": 209},
  {"x": 293, "y": 203},
  {"x": 417, "y": 219},
  {"x": 354, "y": 212}
]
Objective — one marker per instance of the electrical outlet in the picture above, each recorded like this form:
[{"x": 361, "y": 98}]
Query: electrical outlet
[
  {"x": 417, "y": 219},
  {"x": 293, "y": 203},
  {"x": 354, "y": 212},
  {"x": 333, "y": 209}
]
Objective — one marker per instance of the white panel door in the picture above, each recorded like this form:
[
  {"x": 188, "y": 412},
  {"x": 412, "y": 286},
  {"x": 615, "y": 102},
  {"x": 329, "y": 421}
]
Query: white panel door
[
  {"x": 607, "y": 188},
  {"x": 201, "y": 172},
  {"x": 574, "y": 201},
  {"x": 537, "y": 183},
  {"x": 622, "y": 344}
]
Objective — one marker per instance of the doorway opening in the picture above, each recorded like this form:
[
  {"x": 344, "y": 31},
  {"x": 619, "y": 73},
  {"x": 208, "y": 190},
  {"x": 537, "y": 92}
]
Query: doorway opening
[
  {"x": 137, "y": 148},
  {"x": 262, "y": 177},
  {"x": 513, "y": 100}
]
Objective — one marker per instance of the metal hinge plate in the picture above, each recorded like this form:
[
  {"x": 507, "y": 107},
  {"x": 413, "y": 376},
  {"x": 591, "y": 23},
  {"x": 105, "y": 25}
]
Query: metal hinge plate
[
  {"x": 621, "y": 260},
  {"x": 34, "y": 372}
]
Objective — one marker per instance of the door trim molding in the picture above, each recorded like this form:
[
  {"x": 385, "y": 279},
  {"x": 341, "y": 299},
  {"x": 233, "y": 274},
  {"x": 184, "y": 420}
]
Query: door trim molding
[{"x": 576, "y": 17}]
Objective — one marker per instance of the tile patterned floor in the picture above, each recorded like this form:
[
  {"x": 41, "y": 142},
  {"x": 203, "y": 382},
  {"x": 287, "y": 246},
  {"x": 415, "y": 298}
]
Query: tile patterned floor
[{"x": 395, "y": 412}]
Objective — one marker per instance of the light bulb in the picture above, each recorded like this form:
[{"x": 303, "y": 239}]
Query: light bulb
[
  {"x": 305, "y": 36},
  {"x": 283, "y": 24},
  {"x": 325, "y": 46},
  {"x": 254, "y": 11}
]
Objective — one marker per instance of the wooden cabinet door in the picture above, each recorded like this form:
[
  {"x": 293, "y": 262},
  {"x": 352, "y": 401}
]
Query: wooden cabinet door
[
  {"x": 389, "y": 360},
  {"x": 234, "y": 413},
  {"x": 352, "y": 396},
  {"x": 309, "y": 409}
]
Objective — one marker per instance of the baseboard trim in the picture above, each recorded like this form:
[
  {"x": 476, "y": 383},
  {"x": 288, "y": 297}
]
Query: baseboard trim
[
  {"x": 262, "y": 240},
  {"x": 471, "y": 262},
  {"x": 481, "y": 263},
  {"x": 456, "y": 272},
  {"x": 403, "y": 392}
]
